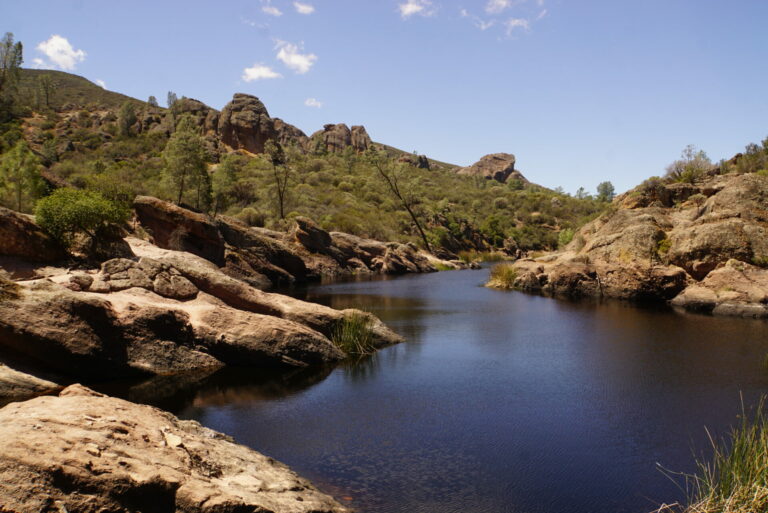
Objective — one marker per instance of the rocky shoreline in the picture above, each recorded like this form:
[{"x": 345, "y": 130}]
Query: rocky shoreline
[
  {"x": 701, "y": 247},
  {"x": 181, "y": 294}
]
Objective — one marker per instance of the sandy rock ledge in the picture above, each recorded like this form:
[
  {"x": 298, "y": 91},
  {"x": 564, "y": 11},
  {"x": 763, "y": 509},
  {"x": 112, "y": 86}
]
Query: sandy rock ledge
[{"x": 86, "y": 452}]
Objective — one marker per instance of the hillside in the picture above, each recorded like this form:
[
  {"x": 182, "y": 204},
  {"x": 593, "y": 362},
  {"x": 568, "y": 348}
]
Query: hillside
[
  {"x": 69, "y": 90},
  {"x": 330, "y": 174}
]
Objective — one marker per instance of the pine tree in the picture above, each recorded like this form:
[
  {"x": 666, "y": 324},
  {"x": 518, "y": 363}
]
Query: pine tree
[
  {"x": 20, "y": 176},
  {"x": 185, "y": 162}
]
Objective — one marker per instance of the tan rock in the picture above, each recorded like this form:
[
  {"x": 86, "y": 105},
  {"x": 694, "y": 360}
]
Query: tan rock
[{"x": 82, "y": 451}]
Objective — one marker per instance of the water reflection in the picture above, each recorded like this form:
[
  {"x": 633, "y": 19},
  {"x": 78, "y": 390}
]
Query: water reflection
[
  {"x": 226, "y": 386},
  {"x": 497, "y": 401}
]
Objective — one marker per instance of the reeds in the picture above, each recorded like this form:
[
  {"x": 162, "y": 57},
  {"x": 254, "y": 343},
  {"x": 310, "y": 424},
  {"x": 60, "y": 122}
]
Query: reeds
[{"x": 352, "y": 334}]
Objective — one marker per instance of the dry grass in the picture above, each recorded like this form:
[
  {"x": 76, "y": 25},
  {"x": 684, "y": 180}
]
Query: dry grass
[{"x": 502, "y": 276}]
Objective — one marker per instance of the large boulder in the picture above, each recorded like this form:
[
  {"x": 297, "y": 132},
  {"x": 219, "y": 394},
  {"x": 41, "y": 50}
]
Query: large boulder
[
  {"x": 496, "y": 166},
  {"x": 82, "y": 451},
  {"x": 244, "y": 123},
  {"x": 21, "y": 237},
  {"x": 174, "y": 227}
]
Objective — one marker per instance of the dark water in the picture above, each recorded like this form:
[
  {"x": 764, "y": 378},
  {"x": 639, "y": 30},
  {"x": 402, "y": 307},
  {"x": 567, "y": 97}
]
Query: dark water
[{"x": 498, "y": 401}]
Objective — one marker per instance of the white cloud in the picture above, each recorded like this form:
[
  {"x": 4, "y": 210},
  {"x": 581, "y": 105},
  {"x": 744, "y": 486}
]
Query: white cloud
[
  {"x": 484, "y": 25},
  {"x": 38, "y": 63},
  {"x": 313, "y": 102},
  {"x": 272, "y": 10},
  {"x": 304, "y": 8},
  {"x": 420, "y": 7},
  {"x": 497, "y": 6},
  {"x": 541, "y": 14},
  {"x": 515, "y": 23},
  {"x": 289, "y": 54},
  {"x": 101, "y": 83},
  {"x": 60, "y": 52},
  {"x": 259, "y": 72}
]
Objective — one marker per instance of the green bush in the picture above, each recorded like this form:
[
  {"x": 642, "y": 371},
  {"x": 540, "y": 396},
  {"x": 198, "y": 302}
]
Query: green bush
[
  {"x": 564, "y": 237},
  {"x": 69, "y": 212}
]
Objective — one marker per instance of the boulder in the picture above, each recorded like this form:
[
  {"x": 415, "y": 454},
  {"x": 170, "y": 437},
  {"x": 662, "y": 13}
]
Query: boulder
[
  {"x": 21, "y": 237},
  {"x": 177, "y": 228},
  {"x": 496, "y": 166},
  {"x": 307, "y": 233},
  {"x": 244, "y": 123},
  {"x": 417, "y": 161},
  {"x": 83, "y": 451}
]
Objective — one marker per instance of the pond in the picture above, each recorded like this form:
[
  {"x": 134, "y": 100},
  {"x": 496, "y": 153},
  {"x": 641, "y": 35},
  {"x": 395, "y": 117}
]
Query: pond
[{"x": 497, "y": 401}]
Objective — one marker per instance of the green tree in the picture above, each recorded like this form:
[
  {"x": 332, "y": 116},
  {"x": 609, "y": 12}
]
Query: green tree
[
  {"x": 11, "y": 58},
  {"x": 152, "y": 102},
  {"x": 20, "y": 175},
  {"x": 172, "y": 99},
  {"x": 392, "y": 174},
  {"x": 223, "y": 182},
  {"x": 126, "y": 118},
  {"x": 605, "y": 191},
  {"x": 185, "y": 162},
  {"x": 69, "y": 212},
  {"x": 691, "y": 165},
  {"x": 46, "y": 88}
]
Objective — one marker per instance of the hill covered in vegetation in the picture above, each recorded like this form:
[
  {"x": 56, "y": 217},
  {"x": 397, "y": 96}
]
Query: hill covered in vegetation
[{"x": 265, "y": 171}]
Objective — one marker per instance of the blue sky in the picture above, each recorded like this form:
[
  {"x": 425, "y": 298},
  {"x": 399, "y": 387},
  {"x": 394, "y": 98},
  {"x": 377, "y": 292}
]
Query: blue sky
[{"x": 580, "y": 91}]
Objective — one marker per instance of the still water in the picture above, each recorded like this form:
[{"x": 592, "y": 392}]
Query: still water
[{"x": 497, "y": 402}]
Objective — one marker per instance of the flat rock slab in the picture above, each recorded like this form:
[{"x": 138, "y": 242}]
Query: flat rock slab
[{"x": 85, "y": 452}]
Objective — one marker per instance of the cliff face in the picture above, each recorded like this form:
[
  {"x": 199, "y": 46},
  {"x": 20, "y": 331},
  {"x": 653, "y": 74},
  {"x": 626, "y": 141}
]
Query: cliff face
[{"x": 703, "y": 246}]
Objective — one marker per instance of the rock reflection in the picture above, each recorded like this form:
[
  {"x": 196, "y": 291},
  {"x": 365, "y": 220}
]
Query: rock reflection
[{"x": 178, "y": 392}]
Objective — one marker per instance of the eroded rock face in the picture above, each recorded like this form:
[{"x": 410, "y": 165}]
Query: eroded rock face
[
  {"x": 496, "y": 166},
  {"x": 245, "y": 123},
  {"x": 359, "y": 138},
  {"x": 21, "y": 237},
  {"x": 694, "y": 244},
  {"x": 82, "y": 451},
  {"x": 288, "y": 135}
]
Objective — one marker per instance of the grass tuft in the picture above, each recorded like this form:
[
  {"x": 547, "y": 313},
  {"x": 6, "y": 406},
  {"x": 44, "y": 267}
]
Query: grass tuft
[
  {"x": 9, "y": 290},
  {"x": 352, "y": 334},
  {"x": 502, "y": 276},
  {"x": 735, "y": 478}
]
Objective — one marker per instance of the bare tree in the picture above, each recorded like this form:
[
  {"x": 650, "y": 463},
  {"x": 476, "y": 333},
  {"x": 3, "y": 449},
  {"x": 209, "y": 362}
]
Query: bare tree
[
  {"x": 281, "y": 172},
  {"x": 391, "y": 172}
]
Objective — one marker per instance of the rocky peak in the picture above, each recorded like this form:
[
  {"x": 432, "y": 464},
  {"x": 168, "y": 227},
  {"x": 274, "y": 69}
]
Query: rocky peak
[
  {"x": 360, "y": 138},
  {"x": 496, "y": 166},
  {"x": 245, "y": 123},
  {"x": 336, "y": 138}
]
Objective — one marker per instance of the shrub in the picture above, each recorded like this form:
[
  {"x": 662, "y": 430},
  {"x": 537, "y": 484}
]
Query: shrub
[
  {"x": 564, "y": 237},
  {"x": 502, "y": 276},
  {"x": 252, "y": 217},
  {"x": 69, "y": 212},
  {"x": 352, "y": 334}
]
